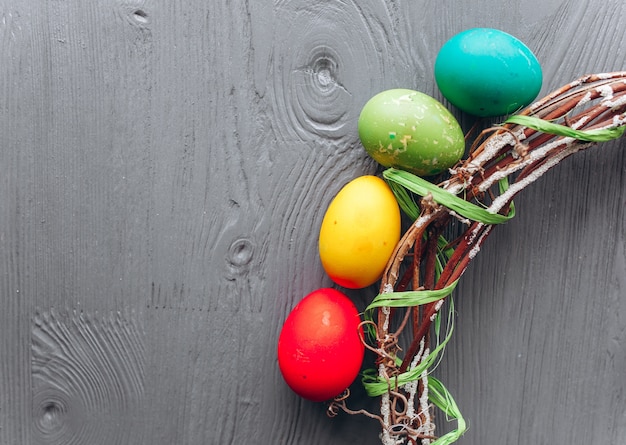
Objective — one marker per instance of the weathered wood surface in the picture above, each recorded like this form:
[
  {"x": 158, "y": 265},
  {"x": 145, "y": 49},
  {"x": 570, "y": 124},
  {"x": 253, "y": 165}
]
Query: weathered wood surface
[{"x": 164, "y": 168}]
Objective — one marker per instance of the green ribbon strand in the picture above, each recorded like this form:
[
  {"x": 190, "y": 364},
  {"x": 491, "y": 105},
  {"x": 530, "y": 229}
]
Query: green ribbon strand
[
  {"x": 441, "y": 397},
  {"x": 597, "y": 135},
  {"x": 464, "y": 208},
  {"x": 411, "y": 298}
]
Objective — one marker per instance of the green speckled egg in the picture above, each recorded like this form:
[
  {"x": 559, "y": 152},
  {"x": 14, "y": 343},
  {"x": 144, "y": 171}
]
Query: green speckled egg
[
  {"x": 487, "y": 72},
  {"x": 411, "y": 131}
]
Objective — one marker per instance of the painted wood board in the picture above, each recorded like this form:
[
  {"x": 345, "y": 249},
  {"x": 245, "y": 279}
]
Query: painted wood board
[{"x": 165, "y": 166}]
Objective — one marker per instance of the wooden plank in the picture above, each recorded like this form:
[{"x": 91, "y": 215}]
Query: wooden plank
[
  {"x": 164, "y": 168},
  {"x": 87, "y": 378}
]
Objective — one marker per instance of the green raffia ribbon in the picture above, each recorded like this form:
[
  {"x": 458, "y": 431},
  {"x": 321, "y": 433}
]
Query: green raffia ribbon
[
  {"x": 411, "y": 298},
  {"x": 439, "y": 396},
  {"x": 597, "y": 135},
  {"x": 422, "y": 187},
  {"x": 405, "y": 200}
]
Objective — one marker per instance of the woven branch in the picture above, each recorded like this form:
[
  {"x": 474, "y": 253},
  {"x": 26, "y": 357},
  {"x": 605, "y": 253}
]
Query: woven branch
[{"x": 501, "y": 163}]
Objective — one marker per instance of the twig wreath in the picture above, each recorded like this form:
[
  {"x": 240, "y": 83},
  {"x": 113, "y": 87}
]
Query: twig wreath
[{"x": 425, "y": 267}]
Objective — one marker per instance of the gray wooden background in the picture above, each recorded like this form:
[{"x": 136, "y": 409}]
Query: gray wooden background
[{"x": 164, "y": 168}]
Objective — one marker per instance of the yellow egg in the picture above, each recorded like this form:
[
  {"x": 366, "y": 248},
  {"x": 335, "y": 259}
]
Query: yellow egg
[{"x": 359, "y": 232}]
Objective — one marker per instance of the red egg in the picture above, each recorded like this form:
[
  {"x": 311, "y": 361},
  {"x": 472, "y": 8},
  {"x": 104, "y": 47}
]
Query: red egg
[{"x": 319, "y": 348}]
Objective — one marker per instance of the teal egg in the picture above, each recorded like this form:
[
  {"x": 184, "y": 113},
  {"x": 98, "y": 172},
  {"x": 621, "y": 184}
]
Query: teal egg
[{"x": 487, "y": 72}]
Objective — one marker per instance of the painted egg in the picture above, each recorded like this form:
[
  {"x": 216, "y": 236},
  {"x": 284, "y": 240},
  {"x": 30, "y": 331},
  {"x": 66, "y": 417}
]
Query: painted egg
[
  {"x": 411, "y": 131},
  {"x": 487, "y": 72},
  {"x": 320, "y": 351},
  {"x": 359, "y": 232}
]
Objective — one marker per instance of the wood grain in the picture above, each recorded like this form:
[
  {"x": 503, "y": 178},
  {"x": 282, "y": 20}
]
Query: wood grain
[
  {"x": 165, "y": 166},
  {"x": 87, "y": 378}
]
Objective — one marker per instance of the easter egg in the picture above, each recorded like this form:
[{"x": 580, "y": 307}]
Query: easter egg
[
  {"x": 487, "y": 72},
  {"x": 410, "y": 130},
  {"x": 320, "y": 351},
  {"x": 359, "y": 232}
]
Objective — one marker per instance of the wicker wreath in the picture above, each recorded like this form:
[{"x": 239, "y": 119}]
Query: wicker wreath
[{"x": 425, "y": 267}]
